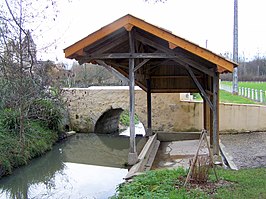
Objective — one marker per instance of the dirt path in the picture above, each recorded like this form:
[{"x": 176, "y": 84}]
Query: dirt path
[{"x": 248, "y": 149}]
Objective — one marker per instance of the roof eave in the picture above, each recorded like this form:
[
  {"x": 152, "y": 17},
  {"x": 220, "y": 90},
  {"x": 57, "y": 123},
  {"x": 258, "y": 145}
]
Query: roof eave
[{"x": 76, "y": 49}]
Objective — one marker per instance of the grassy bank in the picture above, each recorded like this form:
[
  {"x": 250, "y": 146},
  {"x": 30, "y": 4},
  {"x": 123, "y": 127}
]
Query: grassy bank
[
  {"x": 15, "y": 152},
  {"x": 40, "y": 132},
  {"x": 226, "y": 97},
  {"x": 246, "y": 183}
]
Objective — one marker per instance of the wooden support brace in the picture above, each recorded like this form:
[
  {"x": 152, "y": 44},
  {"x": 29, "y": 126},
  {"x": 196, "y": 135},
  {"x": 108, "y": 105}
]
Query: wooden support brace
[
  {"x": 141, "y": 64},
  {"x": 112, "y": 70},
  {"x": 203, "y": 137},
  {"x": 202, "y": 92},
  {"x": 179, "y": 59}
]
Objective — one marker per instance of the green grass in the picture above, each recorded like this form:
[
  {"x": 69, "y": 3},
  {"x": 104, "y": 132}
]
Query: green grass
[
  {"x": 125, "y": 120},
  {"x": 246, "y": 183},
  {"x": 38, "y": 139},
  {"x": 254, "y": 85},
  {"x": 226, "y": 97}
]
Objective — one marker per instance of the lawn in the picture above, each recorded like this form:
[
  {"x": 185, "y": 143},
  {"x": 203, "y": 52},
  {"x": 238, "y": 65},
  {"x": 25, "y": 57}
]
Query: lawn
[
  {"x": 245, "y": 183},
  {"x": 254, "y": 85},
  {"x": 226, "y": 97}
]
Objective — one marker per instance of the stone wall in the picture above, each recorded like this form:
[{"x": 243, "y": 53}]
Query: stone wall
[{"x": 87, "y": 105}]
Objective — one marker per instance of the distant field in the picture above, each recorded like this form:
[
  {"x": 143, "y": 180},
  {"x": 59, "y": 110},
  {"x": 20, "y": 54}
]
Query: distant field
[{"x": 254, "y": 85}]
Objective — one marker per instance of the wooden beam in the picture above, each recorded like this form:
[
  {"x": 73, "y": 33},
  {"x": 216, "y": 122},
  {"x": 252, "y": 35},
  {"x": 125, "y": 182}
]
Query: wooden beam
[
  {"x": 94, "y": 37},
  {"x": 210, "y": 86},
  {"x": 125, "y": 73},
  {"x": 89, "y": 57},
  {"x": 173, "y": 90},
  {"x": 209, "y": 92},
  {"x": 128, "y": 27},
  {"x": 141, "y": 64},
  {"x": 112, "y": 71},
  {"x": 179, "y": 59},
  {"x": 132, "y": 156},
  {"x": 205, "y": 107},
  {"x": 215, "y": 111},
  {"x": 152, "y": 68},
  {"x": 193, "y": 48},
  {"x": 172, "y": 77},
  {"x": 107, "y": 46},
  {"x": 116, "y": 64},
  {"x": 120, "y": 34},
  {"x": 202, "y": 92},
  {"x": 149, "y": 118},
  {"x": 154, "y": 30}
]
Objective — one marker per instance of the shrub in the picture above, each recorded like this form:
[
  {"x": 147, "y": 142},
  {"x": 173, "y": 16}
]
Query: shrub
[
  {"x": 125, "y": 119},
  {"x": 9, "y": 120},
  {"x": 47, "y": 112},
  {"x": 200, "y": 171}
]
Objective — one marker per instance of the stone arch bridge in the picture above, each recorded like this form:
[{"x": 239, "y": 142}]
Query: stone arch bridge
[{"x": 97, "y": 109}]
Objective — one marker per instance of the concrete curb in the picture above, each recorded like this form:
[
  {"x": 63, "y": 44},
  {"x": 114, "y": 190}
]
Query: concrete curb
[
  {"x": 178, "y": 136},
  {"x": 146, "y": 157},
  {"x": 227, "y": 157}
]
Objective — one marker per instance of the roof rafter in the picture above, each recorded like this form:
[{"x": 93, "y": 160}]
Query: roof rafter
[{"x": 179, "y": 59}]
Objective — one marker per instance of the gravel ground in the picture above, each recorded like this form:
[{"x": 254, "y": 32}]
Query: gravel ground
[{"x": 247, "y": 149}]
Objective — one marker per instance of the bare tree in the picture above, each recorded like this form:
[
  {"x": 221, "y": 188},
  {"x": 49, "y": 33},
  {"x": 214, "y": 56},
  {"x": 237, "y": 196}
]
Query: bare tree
[{"x": 20, "y": 75}]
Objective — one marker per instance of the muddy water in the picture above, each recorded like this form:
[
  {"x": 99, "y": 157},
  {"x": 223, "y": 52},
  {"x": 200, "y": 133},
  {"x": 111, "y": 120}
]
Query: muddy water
[{"x": 84, "y": 166}]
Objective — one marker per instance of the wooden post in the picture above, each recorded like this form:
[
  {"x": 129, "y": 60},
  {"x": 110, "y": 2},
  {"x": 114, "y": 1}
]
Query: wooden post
[
  {"x": 215, "y": 114},
  {"x": 210, "y": 83},
  {"x": 205, "y": 107},
  {"x": 132, "y": 156},
  {"x": 149, "y": 120}
]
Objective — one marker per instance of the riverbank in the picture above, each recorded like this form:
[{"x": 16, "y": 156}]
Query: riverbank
[{"x": 15, "y": 152}]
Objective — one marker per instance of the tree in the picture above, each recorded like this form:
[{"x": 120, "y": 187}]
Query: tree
[{"x": 22, "y": 79}]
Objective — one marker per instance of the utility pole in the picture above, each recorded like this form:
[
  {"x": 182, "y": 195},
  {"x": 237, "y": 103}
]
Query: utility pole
[{"x": 235, "y": 48}]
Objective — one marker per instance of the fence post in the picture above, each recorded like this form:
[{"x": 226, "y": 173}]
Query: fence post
[
  {"x": 239, "y": 91},
  {"x": 248, "y": 92},
  {"x": 243, "y": 94},
  {"x": 256, "y": 95},
  {"x": 252, "y": 94},
  {"x": 261, "y": 97}
]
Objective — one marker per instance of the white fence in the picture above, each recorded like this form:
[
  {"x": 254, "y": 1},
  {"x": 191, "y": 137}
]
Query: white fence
[
  {"x": 226, "y": 87},
  {"x": 250, "y": 93}
]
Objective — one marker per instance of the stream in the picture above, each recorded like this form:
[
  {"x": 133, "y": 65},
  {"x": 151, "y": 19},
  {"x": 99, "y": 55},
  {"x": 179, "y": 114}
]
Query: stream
[{"x": 83, "y": 166}]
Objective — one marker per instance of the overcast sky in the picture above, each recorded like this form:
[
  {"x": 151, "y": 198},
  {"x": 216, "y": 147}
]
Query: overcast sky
[{"x": 194, "y": 20}]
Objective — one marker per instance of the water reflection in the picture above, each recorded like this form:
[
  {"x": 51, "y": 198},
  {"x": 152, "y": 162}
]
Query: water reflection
[{"x": 85, "y": 166}]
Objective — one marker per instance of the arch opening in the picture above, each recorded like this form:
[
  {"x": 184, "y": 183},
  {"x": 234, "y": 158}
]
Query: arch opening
[
  {"x": 116, "y": 121},
  {"x": 108, "y": 122}
]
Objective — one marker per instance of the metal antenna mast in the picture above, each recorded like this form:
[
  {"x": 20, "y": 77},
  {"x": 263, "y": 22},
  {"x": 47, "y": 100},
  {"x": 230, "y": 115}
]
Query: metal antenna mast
[{"x": 235, "y": 48}]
